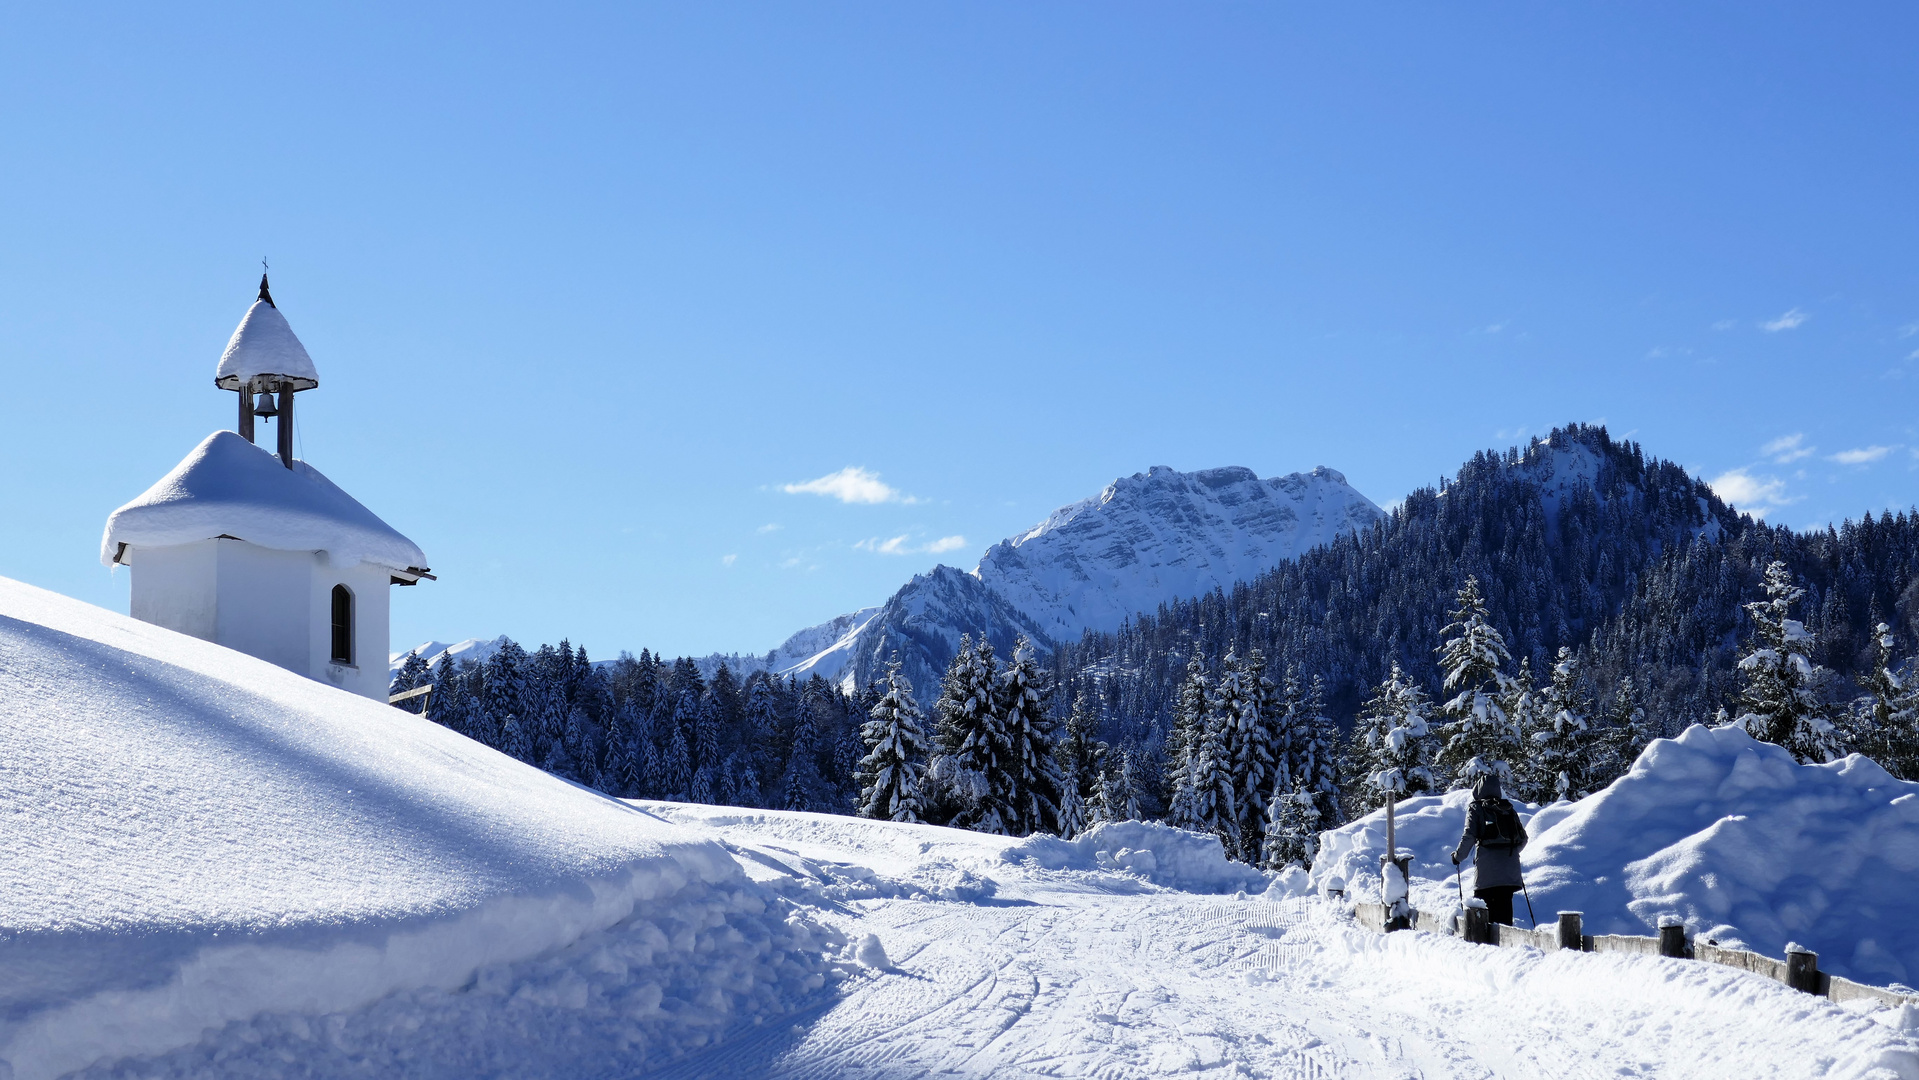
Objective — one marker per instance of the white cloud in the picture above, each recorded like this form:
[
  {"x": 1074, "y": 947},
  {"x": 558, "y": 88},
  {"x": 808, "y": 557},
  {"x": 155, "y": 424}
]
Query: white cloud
[
  {"x": 1864, "y": 455},
  {"x": 1725, "y": 324},
  {"x": 1788, "y": 448},
  {"x": 1909, "y": 329},
  {"x": 850, "y": 485},
  {"x": 769, "y": 527},
  {"x": 1791, "y": 320},
  {"x": 728, "y": 560},
  {"x": 902, "y": 545},
  {"x": 1756, "y": 495}
]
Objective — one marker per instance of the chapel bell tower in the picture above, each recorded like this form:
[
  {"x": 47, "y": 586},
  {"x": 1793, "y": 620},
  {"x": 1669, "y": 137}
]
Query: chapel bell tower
[{"x": 261, "y": 552}]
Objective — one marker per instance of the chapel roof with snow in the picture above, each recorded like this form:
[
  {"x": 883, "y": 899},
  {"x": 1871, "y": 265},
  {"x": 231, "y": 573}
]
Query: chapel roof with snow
[
  {"x": 264, "y": 347},
  {"x": 228, "y": 487}
]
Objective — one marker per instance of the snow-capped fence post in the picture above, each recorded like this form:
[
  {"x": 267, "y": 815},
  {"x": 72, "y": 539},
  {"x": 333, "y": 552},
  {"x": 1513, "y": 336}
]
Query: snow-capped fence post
[
  {"x": 1395, "y": 874},
  {"x": 1802, "y": 969},
  {"x": 1570, "y": 936},
  {"x": 1672, "y": 938},
  {"x": 1479, "y": 922}
]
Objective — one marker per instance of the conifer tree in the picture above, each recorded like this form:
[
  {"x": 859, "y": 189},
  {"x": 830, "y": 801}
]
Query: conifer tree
[
  {"x": 1125, "y": 803},
  {"x": 1391, "y": 752},
  {"x": 1029, "y": 766},
  {"x": 1320, "y": 762},
  {"x": 799, "y": 787},
  {"x": 513, "y": 740},
  {"x": 1249, "y": 752},
  {"x": 971, "y": 741},
  {"x": 447, "y": 705},
  {"x": 1292, "y": 828},
  {"x": 1292, "y": 731},
  {"x": 1565, "y": 750},
  {"x": 1081, "y": 754},
  {"x": 1780, "y": 700},
  {"x": 890, "y": 773},
  {"x": 1183, "y": 748},
  {"x": 1476, "y": 737},
  {"x": 412, "y": 675},
  {"x": 1884, "y": 721}
]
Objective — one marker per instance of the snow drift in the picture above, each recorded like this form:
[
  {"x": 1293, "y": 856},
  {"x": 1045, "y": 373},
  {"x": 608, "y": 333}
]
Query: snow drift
[
  {"x": 209, "y": 854},
  {"x": 1167, "y": 857},
  {"x": 1751, "y": 849}
]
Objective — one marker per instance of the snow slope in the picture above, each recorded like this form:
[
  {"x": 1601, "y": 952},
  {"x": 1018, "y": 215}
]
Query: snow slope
[
  {"x": 206, "y": 853},
  {"x": 1730, "y": 834},
  {"x": 987, "y": 959},
  {"x": 1164, "y": 534}
]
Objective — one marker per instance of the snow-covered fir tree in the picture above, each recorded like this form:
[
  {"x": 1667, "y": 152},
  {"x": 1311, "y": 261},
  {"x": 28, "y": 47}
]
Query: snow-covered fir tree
[
  {"x": 1780, "y": 701},
  {"x": 1118, "y": 791},
  {"x": 1292, "y": 828},
  {"x": 896, "y": 748},
  {"x": 1319, "y": 758},
  {"x": 1883, "y": 723},
  {"x": 1183, "y": 747},
  {"x": 413, "y": 674},
  {"x": 1390, "y": 752},
  {"x": 1029, "y": 775},
  {"x": 1249, "y": 750},
  {"x": 1082, "y": 758},
  {"x": 1565, "y": 749},
  {"x": 971, "y": 742},
  {"x": 1476, "y": 736}
]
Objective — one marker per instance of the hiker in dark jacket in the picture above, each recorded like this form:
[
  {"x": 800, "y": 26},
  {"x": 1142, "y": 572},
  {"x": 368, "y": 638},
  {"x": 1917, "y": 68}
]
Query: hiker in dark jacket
[{"x": 1493, "y": 826}]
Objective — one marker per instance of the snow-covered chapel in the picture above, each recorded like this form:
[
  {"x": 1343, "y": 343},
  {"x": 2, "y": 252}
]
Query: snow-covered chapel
[{"x": 258, "y": 551}]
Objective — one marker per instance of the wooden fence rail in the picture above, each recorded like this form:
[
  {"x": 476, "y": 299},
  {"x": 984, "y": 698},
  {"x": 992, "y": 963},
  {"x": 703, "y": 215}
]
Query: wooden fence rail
[{"x": 1800, "y": 970}]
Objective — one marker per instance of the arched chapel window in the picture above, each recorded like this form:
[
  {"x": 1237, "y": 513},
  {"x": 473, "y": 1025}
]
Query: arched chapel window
[{"x": 342, "y": 625}]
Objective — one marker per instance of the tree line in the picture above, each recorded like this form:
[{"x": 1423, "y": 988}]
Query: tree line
[{"x": 1543, "y": 615}]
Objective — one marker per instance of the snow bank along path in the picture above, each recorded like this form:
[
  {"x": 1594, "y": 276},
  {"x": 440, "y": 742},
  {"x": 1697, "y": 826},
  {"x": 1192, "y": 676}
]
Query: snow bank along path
[
  {"x": 204, "y": 852},
  {"x": 1018, "y": 959},
  {"x": 1749, "y": 848}
]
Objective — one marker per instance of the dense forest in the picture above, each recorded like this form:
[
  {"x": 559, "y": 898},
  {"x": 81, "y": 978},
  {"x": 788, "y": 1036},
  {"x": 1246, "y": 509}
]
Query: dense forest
[{"x": 1543, "y": 614}]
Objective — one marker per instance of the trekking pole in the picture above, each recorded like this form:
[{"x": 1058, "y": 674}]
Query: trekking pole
[{"x": 1529, "y": 903}]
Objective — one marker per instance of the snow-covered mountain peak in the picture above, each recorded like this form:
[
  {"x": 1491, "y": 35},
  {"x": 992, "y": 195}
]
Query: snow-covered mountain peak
[{"x": 1162, "y": 534}]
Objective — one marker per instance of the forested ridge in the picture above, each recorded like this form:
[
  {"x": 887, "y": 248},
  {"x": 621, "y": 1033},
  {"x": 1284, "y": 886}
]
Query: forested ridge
[{"x": 1543, "y": 614}]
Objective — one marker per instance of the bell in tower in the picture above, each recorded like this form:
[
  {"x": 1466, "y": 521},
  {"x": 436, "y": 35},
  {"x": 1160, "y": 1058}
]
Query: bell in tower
[{"x": 264, "y": 359}]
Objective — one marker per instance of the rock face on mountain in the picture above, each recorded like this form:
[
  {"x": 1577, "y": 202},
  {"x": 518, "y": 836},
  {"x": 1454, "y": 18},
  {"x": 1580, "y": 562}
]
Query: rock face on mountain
[
  {"x": 922, "y": 623},
  {"x": 1164, "y": 534},
  {"x": 1148, "y": 538}
]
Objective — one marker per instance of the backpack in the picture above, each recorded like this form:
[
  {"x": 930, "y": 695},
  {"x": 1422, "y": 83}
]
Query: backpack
[{"x": 1497, "y": 823}]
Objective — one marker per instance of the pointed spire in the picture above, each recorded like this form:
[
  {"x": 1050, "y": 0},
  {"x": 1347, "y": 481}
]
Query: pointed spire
[{"x": 264, "y": 294}]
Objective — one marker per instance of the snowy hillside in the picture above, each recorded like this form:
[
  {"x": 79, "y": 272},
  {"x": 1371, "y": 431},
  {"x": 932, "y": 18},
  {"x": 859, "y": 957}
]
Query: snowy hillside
[
  {"x": 217, "y": 868},
  {"x": 197, "y": 839},
  {"x": 1134, "y": 954},
  {"x": 1164, "y": 534},
  {"x": 1728, "y": 834}
]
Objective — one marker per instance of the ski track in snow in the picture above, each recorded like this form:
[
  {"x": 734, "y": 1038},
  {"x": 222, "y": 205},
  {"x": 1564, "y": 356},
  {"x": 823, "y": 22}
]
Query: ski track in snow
[{"x": 1056, "y": 978}]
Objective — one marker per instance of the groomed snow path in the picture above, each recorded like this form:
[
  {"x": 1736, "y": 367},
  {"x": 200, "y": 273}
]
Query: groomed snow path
[{"x": 1094, "y": 973}]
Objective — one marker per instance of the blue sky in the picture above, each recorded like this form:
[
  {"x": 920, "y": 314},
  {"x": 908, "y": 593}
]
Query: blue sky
[{"x": 685, "y": 327}]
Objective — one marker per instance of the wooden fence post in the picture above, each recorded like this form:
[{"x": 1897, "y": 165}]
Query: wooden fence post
[
  {"x": 1479, "y": 922},
  {"x": 1569, "y": 930},
  {"x": 1802, "y": 969},
  {"x": 1672, "y": 937}
]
